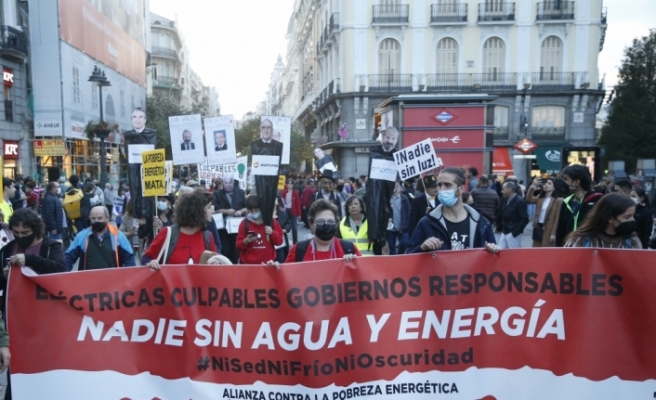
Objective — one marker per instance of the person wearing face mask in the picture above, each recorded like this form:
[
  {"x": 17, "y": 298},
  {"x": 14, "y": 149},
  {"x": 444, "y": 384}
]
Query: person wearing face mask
[
  {"x": 322, "y": 217},
  {"x": 610, "y": 224},
  {"x": 164, "y": 215},
  {"x": 424, "y": 202},
  {"x": 452, "y": 225},
  {"x": 255, "y": 241},
  {"x": 100, "y": 246},
  {"x": 643, "y": 216},
  {"x": 53, "y": 212},
  {"x": 512, "y": 217}
]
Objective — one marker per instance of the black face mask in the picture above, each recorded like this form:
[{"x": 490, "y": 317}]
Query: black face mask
[
  {"x": 340, "y": 188},
  {"x": 98, "y": 226},
  {"x": 626, "y": 228},
  {"x": 326, "y": 232},
  {"x": 25, "y": 241}
]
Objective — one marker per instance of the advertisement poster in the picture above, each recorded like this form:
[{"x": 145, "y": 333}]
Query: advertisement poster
[
  {"x": 455, "y": 324},
  {"x": 220, "y": 140},
  {"x": 282, "y": 129},
  {"x": 186, "y": 139}
]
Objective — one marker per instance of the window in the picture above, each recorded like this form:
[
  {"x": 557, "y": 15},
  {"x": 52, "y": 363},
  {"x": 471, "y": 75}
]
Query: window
[
  {"x": 494, "y": 5},
  {"x": 122, "y": 99},
  {"x": 76, "y": 86},
  {"x": 501, "y": 122},
  {"x": 551, "y": 58},
  {"x": 548, "y": 121},
  {"x": 153, "y": 72},
  {"x": 94, "y": 95},
  {"x": 389, "y": 57},
  {"x": 494, "y": 58},
  {"x": 447, "y": 56}
]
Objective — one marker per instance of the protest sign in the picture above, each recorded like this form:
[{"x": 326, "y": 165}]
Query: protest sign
[
  {"x": 153, "y": 173},
  {"x": 467, "y": 323},
  {"x": 236, "y": 170},
  {"x": 135, "y": 150},
  {"x": 265, "y": 165},
  {"x": 220, "y": 140},
  {"x": 186, "y": 139},
  {"x": 383, "y": 169},
  {"x": 413, "y": 160},
  {"x": 282, "y": 130}
]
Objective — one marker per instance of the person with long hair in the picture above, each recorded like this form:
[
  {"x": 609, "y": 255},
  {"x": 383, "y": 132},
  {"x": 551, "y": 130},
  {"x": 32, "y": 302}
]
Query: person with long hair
[
  {"x": 190, "y": 218},
  {"x": 609, "y": 224},
  {"x": 354, "y": 226},
  {"x": 548, "y": 196},
  {"x": 643, "y": 216}
]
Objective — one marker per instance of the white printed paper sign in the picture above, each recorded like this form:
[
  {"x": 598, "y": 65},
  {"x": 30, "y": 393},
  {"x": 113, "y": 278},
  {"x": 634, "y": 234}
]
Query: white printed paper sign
[
  {"x": 265, "y": 165},
  {"x": 135, "y": 150},
  {"x": 383, "y": 169},
  {"x": 186, "y": 139},
  {"x": 413, "y": 160},
  {"x": 237, "y": 170},
  {"x": 282, "y": 130},
  {"x": 220, "y": 140}
]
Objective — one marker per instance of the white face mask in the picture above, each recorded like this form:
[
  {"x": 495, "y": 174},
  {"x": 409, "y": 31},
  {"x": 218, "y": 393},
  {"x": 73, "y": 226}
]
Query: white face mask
[
  {"x": 635, "y": 200},
  {"x": 58, "y": 190}
]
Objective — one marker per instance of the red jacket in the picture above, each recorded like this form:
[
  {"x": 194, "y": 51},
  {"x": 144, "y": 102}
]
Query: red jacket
[
  {"x": 306, "y": 198},
  {"x": 260, "y": 250},
  {"x": 296, "y": 201}
]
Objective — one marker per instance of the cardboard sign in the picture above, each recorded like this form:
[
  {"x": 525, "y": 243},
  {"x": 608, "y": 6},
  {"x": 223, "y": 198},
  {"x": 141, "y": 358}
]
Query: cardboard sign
[
  {"x": 186, "y": 139},
  {"x": 383, "y": 169},
  {"x": 220, "y": 140},
  {"x": 232, "y": 224},
  {"x": 218, "y": 220},
  {"x": 281, "y": 182},
  {"x": 153, "y": 173},
  {"x": 265, "y": 165},
  {"x": 413, "y": 160},
  {"x": 135, "y": 150}
]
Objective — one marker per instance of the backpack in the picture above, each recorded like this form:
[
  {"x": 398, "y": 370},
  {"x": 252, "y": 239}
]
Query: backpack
[
  {"x": 175, "y": 231},
  {"x": 302, "y": 246},
  {"x": 72, "y": 203}
]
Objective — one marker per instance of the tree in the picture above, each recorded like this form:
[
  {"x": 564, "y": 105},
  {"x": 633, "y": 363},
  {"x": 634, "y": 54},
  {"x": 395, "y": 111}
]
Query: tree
[
  {"x": 630, "y": 130},
  {"x": 158, "y": 111}
]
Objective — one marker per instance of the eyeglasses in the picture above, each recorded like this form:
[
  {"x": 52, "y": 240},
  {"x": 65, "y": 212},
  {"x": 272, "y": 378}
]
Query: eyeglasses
[{"x": 322, "y": 222}]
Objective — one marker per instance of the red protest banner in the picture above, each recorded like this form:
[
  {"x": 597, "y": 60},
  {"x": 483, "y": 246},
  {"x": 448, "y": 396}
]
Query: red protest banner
[{"x": 472, "y": 324}]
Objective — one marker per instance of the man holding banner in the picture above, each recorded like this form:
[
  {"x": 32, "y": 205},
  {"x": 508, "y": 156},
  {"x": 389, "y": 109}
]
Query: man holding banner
[{"x": 380, "y": 188}]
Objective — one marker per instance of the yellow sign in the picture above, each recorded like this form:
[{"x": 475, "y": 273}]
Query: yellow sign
[
  {"x": 281, "y": 182},
  {"x": 48, "y": 147},
  {"x": 153, "y": 173}
]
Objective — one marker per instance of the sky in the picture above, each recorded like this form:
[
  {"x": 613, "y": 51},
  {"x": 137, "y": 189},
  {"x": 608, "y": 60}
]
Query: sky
[{"x": 235, "y": 43}]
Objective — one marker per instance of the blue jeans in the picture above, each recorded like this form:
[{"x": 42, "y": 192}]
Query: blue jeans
[{"x": 403, "y": 239}]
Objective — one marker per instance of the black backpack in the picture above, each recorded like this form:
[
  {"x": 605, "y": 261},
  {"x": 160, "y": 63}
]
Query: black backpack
[
  {"x": 175, "y": 231},
  {"x": 302, "y": 246}
]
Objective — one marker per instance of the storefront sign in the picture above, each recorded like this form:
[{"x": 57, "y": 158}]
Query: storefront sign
[
  {"x": 467, "y": 323},
  {"x": 47, "y": 147},
  {"x": 7, "y": 77},
  {"x": 10, "y": 149}
]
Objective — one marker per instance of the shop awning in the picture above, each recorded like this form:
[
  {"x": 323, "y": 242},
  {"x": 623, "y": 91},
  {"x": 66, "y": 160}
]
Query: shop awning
[
  {"x": 548, "y": 158},
  {"x": 501, "y": 161}
]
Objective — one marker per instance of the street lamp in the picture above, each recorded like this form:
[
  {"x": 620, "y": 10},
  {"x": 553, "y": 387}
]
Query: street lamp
[{"x": 101, "y": 80}]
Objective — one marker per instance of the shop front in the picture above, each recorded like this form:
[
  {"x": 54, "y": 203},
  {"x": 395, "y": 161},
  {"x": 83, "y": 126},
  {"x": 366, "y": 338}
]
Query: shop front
[
  {"x": 10, "y": 156},
  {"x": 501, "y": 162}
]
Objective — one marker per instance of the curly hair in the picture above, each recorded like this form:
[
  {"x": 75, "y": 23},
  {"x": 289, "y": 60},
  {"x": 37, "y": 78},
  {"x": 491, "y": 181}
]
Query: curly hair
[
  {"x": 190, "y": 209},
  {"x": 28, "y": 218},
  {"x": 319, "y": 206}
]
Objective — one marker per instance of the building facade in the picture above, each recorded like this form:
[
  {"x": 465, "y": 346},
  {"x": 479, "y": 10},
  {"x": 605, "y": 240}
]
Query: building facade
[{"x": 345, "y": 58}]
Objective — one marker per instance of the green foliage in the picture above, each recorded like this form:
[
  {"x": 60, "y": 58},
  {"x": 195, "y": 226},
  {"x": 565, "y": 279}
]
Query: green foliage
[
  {"x": 301, "y": 149},
  {"x": 158, "y": 111},
  {"x": 630, "y": 131},
  {"x": 92, "y": 127}
]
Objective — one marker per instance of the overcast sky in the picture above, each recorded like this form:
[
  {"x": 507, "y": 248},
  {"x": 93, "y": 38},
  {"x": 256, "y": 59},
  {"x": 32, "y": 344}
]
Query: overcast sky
[{"x": 234, "y": 43}]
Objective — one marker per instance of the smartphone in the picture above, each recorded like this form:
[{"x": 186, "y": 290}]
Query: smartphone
[{"x": 251, "y": 234}]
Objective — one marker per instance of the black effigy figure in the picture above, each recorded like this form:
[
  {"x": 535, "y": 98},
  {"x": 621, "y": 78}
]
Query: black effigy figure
[
  {"x": 266, "y": 186},
  {"x": 142, "y": 207},
  {"x": 379, "y": 192}
]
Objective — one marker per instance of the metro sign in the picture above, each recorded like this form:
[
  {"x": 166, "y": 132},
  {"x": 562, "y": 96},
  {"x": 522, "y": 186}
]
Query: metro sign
[
  {"x": 444, "y": 116},
  {"x": 525, "y": 146}
]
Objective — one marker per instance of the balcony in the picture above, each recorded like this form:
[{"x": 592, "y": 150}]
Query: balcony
[
  {"x": 166, "y": 82},
  {"x": 501, "y": 133},
  {"x": 471, "y": 82},
  {"x": 551, "y": 80},
  {"x": 165, "y": 53},
  {"x": 547, "y": 133},
  {"x": 390, "y": 83},
  {"x": 329, "y": 91},
  {"x": 555, "y": 11},
  {"x": 448, "y": 13},
  {"x": 496, "y": 12},
  {"x": 13, "y": 43},
  {"x": 391, "y": 14},
  {"x": 9, "y": 111},
  {"x": 328, "y": 34}
]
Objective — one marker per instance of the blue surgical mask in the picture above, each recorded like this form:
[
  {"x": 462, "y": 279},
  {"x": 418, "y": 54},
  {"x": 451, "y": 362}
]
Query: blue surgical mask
[
  {"x": 256, "y": 215},
  {"x": 448, "y": 197},
  {"x": 162, "y": 205}
]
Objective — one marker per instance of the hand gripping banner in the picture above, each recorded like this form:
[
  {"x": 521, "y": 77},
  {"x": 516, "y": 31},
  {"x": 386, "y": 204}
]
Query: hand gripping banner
[{"x": 524, "y": 324}]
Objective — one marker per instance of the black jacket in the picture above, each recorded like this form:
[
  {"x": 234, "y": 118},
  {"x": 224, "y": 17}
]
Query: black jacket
[
  {"x": 142, "y": 207},
  {"x": 52, "y": 213},
  {"x": 49, "y": 261},
  {"x": 377, "y": 198},
  {"x": 486, "y": 202},
  {"x": 645, "y": 221},
  {"x": 221, "y": 201},
  {"x": 513, "y": 216},
  {"x": 418, "y": 210},
  {"x": 572, "y": 216}
]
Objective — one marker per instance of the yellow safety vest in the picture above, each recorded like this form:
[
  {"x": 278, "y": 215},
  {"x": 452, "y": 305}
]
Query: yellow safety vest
[{"x": 360, "y": 240}]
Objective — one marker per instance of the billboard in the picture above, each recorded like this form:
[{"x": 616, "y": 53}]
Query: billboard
[{"x": 112, "y": 34}]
